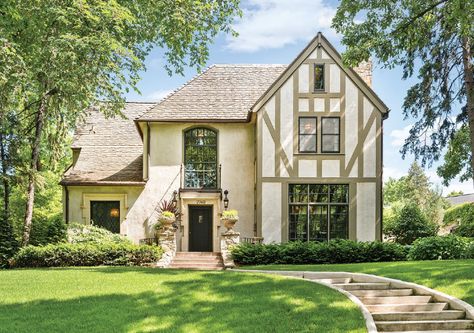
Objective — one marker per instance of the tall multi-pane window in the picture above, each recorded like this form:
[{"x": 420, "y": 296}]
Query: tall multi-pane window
[
  {"x": 318, "y": 212},
  {"x": 200, "y": 158},
  {"x": 307, "y": 135},
  {"x": 330, "y": 135},
  {"x": 319, "y": 77}
]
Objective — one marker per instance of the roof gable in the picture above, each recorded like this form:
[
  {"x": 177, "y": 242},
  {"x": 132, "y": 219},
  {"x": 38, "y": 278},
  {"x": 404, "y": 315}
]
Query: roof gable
[{"x": 317, "y": 42}]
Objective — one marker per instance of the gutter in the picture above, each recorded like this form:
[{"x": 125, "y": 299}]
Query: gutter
[{"x": 67, "y": 204}]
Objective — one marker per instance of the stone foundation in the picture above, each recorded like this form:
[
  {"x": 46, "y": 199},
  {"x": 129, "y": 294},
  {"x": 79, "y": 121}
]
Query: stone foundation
[{"x": 167, "y": 241}]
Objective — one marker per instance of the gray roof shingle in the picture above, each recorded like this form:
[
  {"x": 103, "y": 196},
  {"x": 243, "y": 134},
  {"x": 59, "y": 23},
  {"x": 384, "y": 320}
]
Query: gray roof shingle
[
  {"x": 220, "y": 93},
  {"x": 110, "y": 149}
]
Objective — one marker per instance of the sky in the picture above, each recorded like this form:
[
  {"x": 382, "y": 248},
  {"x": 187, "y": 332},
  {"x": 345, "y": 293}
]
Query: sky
[{"x": 274, "y": 32}]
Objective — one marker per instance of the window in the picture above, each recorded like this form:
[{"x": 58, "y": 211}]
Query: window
[
  {"x": 330, "y": 135},
  {"x": 106, "y": 214},
  {"x": 319, "y": 77},
  {"x": 318, "y": 212},
  {"x": 200, "y": 158},
  {"x": 307, "y": 135}
]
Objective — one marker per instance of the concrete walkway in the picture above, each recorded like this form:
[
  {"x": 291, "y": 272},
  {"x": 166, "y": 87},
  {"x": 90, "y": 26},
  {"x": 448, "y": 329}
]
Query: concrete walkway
[{"x": 390, "y": 305}]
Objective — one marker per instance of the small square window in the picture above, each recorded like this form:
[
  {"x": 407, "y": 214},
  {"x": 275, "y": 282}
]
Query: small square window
[
  {"x": 307, "y": 135},
  {"x": 319, "y": 77}
]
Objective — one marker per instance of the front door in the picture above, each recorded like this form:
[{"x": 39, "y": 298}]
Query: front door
[{"x": 200, "y": 228}]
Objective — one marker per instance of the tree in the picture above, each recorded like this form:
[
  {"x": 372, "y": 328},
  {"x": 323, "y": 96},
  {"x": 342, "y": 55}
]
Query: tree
[
  {"x": 414, "y": 188},
  {"x": 434, "y": 37},
  {"x": 457, "y": 159},
  {"x": 455, "y": 193},
  {"x": 409, "y": 225},
  {"x": 78, "y": 54}
]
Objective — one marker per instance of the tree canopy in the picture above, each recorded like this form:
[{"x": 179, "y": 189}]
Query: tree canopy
[
  {"x": 59, "y": 58},
  {"x": 433, "y": 38}
]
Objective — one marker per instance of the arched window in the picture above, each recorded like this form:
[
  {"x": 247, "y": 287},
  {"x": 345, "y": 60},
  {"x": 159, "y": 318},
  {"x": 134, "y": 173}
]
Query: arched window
[{"x": 200, "y": 158}]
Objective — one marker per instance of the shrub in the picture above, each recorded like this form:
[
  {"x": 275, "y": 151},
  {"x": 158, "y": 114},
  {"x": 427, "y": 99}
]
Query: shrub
[
  {"x": 409, "y": 224},
  {"x": 8, "y": 243},
  {"x": 48, "y": 231},
  {"x": 439, "y": 247},
  {"x": 81, "y": 233},
  {"x": 81, "y": 254},
  {"x": 336, "y": 251},
  {"x": 463, "y": 216},
  {"x": 230, "y": 214},
  {"x": 469, "y": 253}
]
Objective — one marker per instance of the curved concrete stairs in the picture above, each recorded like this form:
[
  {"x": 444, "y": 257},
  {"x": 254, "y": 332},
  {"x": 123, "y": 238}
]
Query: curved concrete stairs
[{"x": 396, "y": 306}]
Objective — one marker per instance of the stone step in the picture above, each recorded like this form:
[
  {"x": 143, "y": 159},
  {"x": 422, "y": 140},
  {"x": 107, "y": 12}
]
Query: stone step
[
  {"x": 384, "y": 308},
  {"x": 198, "y": 259},
  {"x": 192, "y": 262},
  {"x": 196, "y": 266},
  {"x": 363, "y": 285},
  {"x": 334, "y": 280},
  {"x": 382, "y": 292},
  {"x": 420, "y": 315},
  {"x": 396, "y": 300},
  {"x": 393, "y": 326},
  {"x": 194, "y": 254}
]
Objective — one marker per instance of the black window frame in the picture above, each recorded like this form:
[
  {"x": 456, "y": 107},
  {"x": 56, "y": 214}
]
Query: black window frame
[
  {"x": 190, "y": 132},
  {"x": 327, "y": 205},
  {"x": 304, "y": 134},
  {"x": 331, "y": 134},
  {"x": 323, "y": 71}
]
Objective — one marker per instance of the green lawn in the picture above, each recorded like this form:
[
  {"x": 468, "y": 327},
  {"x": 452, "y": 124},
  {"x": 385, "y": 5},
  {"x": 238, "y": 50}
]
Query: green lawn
[
  {"x": 453, "y": 277},
  {"x": 118, "y": 299}
]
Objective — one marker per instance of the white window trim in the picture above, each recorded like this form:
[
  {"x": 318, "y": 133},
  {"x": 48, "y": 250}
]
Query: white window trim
[{"x": 86, "y": 206}]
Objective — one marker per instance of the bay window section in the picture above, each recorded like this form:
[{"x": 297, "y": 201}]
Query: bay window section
[{"x": 318, "y": 212}]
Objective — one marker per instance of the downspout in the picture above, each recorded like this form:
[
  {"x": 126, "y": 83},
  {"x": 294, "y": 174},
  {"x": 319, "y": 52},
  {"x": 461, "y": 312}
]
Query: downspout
[{"x": 66, "y": 190}]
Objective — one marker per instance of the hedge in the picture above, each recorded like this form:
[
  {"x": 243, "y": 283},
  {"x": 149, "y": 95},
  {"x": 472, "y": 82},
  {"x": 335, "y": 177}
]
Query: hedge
[
  {"x": 463, "y": 216},
  {"x": 332, "y": 252},
  {"x": 442, "y": 247},
  {"x": 66, "y": 254}
]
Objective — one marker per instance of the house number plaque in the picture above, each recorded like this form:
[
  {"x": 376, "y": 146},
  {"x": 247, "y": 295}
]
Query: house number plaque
[{"x": 201, "y": 202}]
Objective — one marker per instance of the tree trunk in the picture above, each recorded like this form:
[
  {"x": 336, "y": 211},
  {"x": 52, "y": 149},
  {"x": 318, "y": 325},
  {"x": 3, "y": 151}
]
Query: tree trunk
[
  {"x": 6, "y": 184},
  {"x": 469, "y": 84},
  {"x": 35, "y": 155}
]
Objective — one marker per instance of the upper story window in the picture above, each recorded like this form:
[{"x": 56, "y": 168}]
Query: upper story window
[
  {"x": 200, "y": 158},
  {"x": 307, "y": 135},
  {"x": 318, "y": 77},
  {"x": 330, "y": 134}
]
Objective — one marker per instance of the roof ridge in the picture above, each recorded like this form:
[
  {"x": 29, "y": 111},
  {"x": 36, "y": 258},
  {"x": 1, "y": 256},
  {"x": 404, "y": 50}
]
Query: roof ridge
[{"x": 250, "y": 65}]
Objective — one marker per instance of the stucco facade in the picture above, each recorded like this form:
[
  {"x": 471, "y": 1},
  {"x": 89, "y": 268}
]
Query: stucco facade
[{"x": 255, "y": 113}]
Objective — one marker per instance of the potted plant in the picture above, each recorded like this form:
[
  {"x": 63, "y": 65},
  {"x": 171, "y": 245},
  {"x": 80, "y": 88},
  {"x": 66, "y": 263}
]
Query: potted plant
[{"x": 229, "y": 218}]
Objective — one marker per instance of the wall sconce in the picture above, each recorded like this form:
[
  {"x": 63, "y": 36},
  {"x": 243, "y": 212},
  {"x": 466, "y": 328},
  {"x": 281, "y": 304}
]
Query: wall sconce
[
  {"x": 226, "y": 200},
  {"x": 114, "y": 212}
]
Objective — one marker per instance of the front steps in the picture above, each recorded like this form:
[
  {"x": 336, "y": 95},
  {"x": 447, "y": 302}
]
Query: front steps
[
  {"x": 198, "y": 261},
  {"x": 399, "y": 308}
]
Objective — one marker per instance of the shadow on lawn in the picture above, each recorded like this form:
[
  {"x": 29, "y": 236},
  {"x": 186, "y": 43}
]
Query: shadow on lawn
[{"x": 202, "y": 302}]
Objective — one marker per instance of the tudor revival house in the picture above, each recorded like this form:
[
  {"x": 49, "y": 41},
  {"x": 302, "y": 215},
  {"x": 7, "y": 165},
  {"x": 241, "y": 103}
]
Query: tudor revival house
[{"x": 297, "y": 147}]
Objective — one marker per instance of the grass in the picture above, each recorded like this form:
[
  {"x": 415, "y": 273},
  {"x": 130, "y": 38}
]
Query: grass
[
  {"x": 117, "y": 299},
  {"x": 453, "y": 277}
]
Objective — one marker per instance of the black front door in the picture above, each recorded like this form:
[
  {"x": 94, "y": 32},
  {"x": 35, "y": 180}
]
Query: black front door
[{"x": 200, "y": 228}]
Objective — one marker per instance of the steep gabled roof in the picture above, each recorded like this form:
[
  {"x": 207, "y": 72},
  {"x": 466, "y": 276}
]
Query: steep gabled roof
[
  {"x": 321, "y": 41},
  {"x": 220, "y": 93},
  {"x": 109, "y": 149}
]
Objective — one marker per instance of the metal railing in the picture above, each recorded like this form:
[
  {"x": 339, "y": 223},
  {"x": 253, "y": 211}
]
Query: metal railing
[
  {"x": 252, "y": 240},
  {"x": 209, "y": 179}
]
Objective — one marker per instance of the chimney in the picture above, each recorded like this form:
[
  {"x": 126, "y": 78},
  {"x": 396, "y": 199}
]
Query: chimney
[{"x": 365, "y": 71}]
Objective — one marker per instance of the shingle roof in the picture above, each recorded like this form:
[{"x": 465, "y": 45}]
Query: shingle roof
[
  {"x": 110, "y": 149},
  {"x": 460, "y": 199},
  {"x": 221, "y": 93}
]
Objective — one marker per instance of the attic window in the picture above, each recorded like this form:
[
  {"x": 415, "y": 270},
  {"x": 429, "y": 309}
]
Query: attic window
[{"x": 319, "y": 77}]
